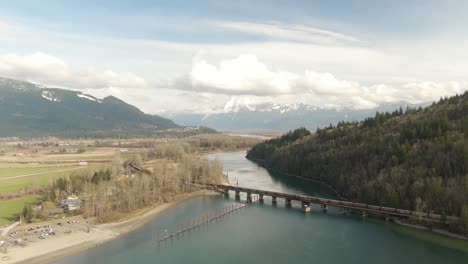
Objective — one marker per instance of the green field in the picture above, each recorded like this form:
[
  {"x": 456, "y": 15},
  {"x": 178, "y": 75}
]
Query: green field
[
  {"x": 10, "y": 208},
  {"x": 15, "y": 179},
  {"x": 18, "y": 171}
]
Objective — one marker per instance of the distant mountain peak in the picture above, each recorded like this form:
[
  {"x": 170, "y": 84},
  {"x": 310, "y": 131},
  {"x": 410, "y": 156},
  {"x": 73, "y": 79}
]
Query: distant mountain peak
[
  {"x": 241, "y": 114},
  {"x": 7, "y": 83},
  {"x": 234, "y": 106}
]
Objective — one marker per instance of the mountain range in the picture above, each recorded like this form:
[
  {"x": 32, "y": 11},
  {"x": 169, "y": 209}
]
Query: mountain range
[
  {"x": 280, "y": 117},
  {"x": 27, "y": 109}
]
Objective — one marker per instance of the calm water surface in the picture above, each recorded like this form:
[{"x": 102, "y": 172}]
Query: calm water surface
[{"x": 273, "y": 234}]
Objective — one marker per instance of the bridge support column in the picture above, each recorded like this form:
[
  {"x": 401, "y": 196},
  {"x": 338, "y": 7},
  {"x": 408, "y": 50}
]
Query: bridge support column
[
  {"x": 287, "y": 202},
  {"x": 237, "y": 195},
  {"x": 249, "y": 197},
  {"x": 273, "y": 199},
  {"x": 387, "y": 218},
  {"x": 323, "y": 208},
  {"x": 364, "y": 214},
  {"x": 260, "y": 198},
  {"x": 343, "y": 210},
  {"x": 226, "y": 193}
]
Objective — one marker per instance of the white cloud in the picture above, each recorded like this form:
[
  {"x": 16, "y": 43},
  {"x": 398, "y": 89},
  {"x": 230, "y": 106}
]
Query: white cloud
[
  {"x": 287, "y": 32},
  {"x": 46, "y": 69},
  {"x": 4, "y": 26},
  {"x": 297, "y": 64},
  {"x": 243, "y": 75},
  {"x": 326, "y": 84},
  {"x": 251, "y": 81}
]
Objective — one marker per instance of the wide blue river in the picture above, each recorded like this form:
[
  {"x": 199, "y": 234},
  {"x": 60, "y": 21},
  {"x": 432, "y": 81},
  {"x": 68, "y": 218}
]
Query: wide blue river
[{"x": 264, "y": 233}]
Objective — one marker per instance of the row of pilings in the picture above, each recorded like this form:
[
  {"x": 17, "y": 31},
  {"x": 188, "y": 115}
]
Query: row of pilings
[{"x": 201, "y": 220}]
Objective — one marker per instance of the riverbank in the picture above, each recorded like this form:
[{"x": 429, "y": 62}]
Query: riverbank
[
  {"x": 402, "y": 222},
  {"x": 431, "y": 230},
  {"x": 79, "y": 240}
]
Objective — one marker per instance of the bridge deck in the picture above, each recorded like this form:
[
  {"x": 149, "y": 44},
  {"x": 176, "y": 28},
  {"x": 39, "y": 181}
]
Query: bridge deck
[{"x": 387, "y": 211}]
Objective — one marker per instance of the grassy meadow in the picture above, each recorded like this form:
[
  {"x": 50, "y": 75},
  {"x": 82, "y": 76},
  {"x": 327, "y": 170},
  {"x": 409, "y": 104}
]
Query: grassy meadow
[
  {"x": 15, "y": 179},
  {"x": 10, "y": 208}
]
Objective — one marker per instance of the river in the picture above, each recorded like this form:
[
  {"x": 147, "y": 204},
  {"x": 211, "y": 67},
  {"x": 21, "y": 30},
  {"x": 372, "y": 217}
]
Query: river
[{"x": 264, "y": 233}]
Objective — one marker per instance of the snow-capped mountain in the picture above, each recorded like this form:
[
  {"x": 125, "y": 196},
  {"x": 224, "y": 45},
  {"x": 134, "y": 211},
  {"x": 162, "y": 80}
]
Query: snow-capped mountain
[{"x": 242, "y": 116}]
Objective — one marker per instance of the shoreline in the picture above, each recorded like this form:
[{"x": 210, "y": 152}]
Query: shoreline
[
  {"x": 400, "y": 222},
  {"x": 70, "y": 244},
  {"x": 436, "y": 231}
]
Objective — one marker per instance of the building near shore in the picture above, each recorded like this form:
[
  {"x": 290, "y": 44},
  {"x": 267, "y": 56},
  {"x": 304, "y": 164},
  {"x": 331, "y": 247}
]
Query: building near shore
[{"x": 72, "y": 203}]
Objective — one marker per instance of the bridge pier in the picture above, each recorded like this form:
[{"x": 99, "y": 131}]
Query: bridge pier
[
  {"x": 287, "y": 202},
  {"x": 323, "y": 208},
  {"x": 237, "y": 195},
  {"x": 343, "y": 210},
  {"x": 387, "y": 218},
  {"x": 249, "y": 197},
  {"x": 273, "y": 199},
  {"x": 260, "y": 198},
  {"x": 226, "y": 193},
  {"x": 364, "y": 214}
]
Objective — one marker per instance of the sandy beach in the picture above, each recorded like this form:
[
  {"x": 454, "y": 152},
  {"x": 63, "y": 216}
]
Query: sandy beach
[{"x": 66, "y": 244}]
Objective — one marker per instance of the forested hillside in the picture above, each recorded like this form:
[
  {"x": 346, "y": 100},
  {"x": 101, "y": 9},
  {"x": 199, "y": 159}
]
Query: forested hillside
[
  {"x": 415, "y": 159},
  {"x": 30, "y": 110}
]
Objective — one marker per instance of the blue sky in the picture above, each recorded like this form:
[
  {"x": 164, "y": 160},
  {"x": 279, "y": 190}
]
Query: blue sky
[
  {"x": 198, "y": 56},
  {"x": 394, "y": 18}
]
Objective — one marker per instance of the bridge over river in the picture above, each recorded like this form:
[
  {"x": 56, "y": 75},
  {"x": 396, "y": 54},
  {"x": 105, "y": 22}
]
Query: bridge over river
[{"x": 324, "y": 203}]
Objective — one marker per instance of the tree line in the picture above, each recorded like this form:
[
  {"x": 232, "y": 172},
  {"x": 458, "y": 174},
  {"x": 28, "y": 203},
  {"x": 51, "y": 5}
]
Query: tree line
[{"x": 110, "y": 193}]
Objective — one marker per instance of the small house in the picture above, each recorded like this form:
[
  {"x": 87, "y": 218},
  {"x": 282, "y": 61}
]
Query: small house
[
  {"x": 72, "y": 203},
  {"x": 111, "y": 191}
]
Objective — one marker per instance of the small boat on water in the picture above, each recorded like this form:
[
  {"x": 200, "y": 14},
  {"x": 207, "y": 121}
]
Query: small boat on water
[{"x": 306, "y": 209}]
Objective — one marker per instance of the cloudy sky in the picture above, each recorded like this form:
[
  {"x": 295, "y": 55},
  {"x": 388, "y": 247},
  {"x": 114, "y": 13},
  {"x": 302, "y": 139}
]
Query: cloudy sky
[{"x": 198, "y": 56}]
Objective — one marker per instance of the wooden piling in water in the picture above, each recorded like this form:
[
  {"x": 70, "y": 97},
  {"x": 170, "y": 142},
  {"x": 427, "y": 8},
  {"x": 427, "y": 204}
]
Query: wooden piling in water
[{"x": 200, "y": 220}]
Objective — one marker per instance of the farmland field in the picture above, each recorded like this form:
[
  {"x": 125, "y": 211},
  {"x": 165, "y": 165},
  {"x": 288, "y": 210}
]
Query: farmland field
[
  {"x": 31, "y": 168},
  {"x": 24, "y": 171},
  {"x": 10, "y": 208},
  {"x": 14, "y": 179}
]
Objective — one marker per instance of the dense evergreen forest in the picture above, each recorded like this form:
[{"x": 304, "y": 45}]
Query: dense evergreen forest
[{"x": 415, "y": 159}]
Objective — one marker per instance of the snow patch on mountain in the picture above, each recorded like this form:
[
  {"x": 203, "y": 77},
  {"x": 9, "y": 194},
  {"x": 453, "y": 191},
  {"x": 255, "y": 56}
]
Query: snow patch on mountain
[
  {"x": 89, "y": 97},
  {"x": 245, "y": 105},
  {"x": 49, "y": 95}
]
